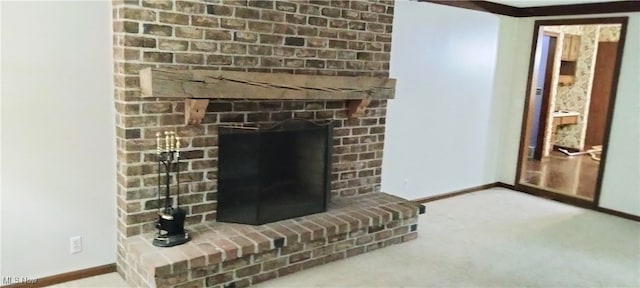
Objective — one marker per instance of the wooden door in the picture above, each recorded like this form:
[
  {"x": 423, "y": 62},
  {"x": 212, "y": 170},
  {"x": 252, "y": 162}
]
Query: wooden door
[
  {"x": 600, "y": 93},
  {"x": 546, "y": 91}
]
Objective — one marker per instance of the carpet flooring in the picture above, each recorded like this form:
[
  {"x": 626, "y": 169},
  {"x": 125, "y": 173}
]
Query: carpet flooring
[{"x": 490, "y": 238}]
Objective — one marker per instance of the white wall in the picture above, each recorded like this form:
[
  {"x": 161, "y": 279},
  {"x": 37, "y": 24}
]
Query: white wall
[
  {"x": 621, "y": 183},
  {"x": 58, "y": 148},
  {"x": 441, "y": 135},
  {"x": 449, "y": 129},
  {"x": 516, "y": 35}
]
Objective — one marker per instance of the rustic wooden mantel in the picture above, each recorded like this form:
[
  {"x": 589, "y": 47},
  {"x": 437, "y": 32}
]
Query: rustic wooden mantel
[{"x": 197, "y": 86}]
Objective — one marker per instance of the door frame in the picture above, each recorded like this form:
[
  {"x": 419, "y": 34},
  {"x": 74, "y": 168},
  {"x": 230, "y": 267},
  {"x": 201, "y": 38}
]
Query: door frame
[{"x": 525, "y": 117}]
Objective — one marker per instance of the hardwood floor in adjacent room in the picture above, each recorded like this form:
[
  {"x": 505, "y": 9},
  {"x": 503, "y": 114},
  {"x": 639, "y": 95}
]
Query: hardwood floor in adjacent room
[{"x": 570, "y": 175}]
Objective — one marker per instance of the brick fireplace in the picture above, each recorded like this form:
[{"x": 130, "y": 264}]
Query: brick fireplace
[{"x": 324, "y": 38}]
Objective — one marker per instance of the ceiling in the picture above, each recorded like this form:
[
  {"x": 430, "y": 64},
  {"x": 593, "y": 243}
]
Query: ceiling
[{"x": 536, "y": 3}]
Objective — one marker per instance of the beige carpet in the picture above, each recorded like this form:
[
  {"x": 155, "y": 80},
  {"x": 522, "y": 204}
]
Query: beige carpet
[{"x": 491, "y": 238}]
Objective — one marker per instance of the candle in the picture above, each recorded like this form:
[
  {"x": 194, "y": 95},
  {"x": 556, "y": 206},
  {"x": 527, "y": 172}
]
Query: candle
[
  {"x": 172, "y": 136},
  {"x": 177, "y": 147},
  {"x": 158, "y": 142},
  {"x": 166, "y": 141}
]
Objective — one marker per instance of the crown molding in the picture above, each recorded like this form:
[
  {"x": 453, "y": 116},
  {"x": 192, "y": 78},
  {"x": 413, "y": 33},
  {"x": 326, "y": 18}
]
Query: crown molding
[{"x": 555, "y": 10}]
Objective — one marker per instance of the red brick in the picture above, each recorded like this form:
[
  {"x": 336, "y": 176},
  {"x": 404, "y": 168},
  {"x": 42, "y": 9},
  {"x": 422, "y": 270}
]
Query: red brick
[
  {"x": 375, "y": 246},
  {"x": 233, "y": 48},
  {"x": 189, "y": 58},
  {"x": 220, "y": 10},
  {"x": 140, "y": 42},
  {"x": 204, "y": 46},
  {"x": 299, "y": 257},
  {"x": 289, "y": 269},
  {"x": 378, "y": 8},
  {"x": 357, "y": 25},
  {"x": 318, "y": 21},
  {"x": 219, "y": 279},
  {"x": 383, "y": 235},
  {"x": 374, "y": 27},
  {"x": 296, "y": 19},
  {"x": 158, "y": 4},
  {"x": 410, "y": 236},
  {"x": 263, "y": 27},
  {"x": 189, "y": 32},
  {"x": 260, "y": 50},
  {"x": 237, "y": 24},
  {"x": 219, "y": 60},
  {"x": 350, "y": 14},
  {"x": 369, "y": 17},
  {"x": 274, "y": 264},
  {"x": 364, "y": 240},
  {"x": 217, "y": 35},
  {"x": 158, "y": 57},
  {"x": 205, "y": 21},
  {"x": 265, "y": 4},
  {"x": 334, "y": 257},
  {"x": 174, "y": 18},
  {"x": 286, "y": 6},
  {"x": 236, "y": 263},
  {"x": 172, "y": 45},
  {"x": 385, "y": 19},
  {"x": 248, "y": 271},
  {"x": 271, "y": 39},
  {"x": 284, "y": 29},
  {"x": 360, "y": 5},
  {"x": 327, "y": 54},
  {"x": 264, "y": 277},
  {"x": 292, "y": 248},
  {"x": 245, "y": 37},
  {"x": 328, "y": 33},
  {"x": 331, "y": 12},
  {"x": 355, "y": 251},
  {"x": 340, "y": 246},
  {"x": 273, "y": 16},
  {"x": 312, "y": 263},
  {"x": 138, "y": 14},
  {"x": 247, "y": 13},
  {"x": 190, "y": 7},
  {"x": 306, "y": 53}
]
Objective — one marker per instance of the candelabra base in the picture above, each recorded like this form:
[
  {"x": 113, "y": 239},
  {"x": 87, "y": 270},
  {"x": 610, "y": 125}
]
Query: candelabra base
[
  {"x": 171, "y": 240},
  {"x": 171, "y": 230}
]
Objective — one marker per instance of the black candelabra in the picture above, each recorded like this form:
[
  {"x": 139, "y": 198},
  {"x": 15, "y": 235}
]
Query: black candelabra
[{"x": 170, "y": 222}]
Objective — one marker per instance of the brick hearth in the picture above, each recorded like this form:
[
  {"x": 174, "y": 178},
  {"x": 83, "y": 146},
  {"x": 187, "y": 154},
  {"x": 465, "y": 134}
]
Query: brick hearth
[{"x": 236, "y": 255}]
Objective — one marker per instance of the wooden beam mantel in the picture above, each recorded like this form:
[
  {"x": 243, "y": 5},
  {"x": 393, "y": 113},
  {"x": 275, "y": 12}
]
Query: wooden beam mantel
[{"x": 174, "y": 83}]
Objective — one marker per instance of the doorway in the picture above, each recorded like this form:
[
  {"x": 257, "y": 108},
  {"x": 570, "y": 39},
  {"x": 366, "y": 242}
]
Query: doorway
[{"x": 568, "y": 108}]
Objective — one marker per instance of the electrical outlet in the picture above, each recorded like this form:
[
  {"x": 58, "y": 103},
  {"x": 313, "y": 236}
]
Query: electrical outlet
[{"x": 76, "y": 244}]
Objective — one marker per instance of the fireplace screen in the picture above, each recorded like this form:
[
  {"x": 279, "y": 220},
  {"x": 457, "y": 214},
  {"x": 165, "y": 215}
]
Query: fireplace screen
[{"x": 266, "y": 175}]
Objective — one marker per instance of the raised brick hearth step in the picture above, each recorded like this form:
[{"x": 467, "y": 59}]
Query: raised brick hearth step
[{"x": 237, "y": 255}]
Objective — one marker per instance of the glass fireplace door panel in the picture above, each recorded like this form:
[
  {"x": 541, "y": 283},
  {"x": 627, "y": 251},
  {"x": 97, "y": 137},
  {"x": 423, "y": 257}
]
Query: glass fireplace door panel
[
  {"x": 293, "y": 165},
  {"x": 238, "y": 176}
]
